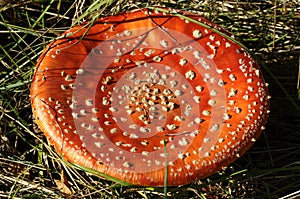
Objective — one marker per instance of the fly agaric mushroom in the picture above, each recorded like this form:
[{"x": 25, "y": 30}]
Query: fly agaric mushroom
[{"x": 149, "y": 93}]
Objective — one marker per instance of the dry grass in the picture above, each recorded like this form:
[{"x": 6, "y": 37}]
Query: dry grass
[{"x": 29, "y": 168}]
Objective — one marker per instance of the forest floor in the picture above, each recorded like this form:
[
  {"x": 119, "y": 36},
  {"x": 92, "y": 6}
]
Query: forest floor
[{"x": 30, "y": 168}]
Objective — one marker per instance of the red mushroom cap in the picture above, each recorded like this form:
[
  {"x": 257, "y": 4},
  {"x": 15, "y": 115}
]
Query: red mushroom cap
[{"x": 146, "y": 91}]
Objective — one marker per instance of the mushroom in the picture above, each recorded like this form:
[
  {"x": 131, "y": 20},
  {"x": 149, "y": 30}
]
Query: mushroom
[{"x": 148, "y": 93}]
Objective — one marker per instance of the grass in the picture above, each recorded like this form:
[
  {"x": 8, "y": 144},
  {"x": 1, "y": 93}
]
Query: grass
[{"x": 30, "y": 168}]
